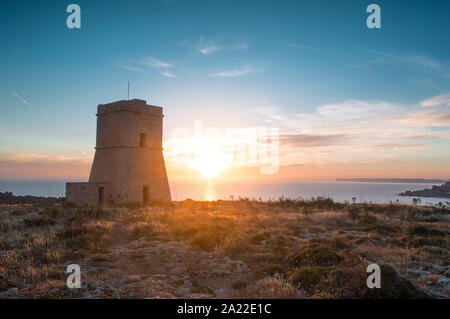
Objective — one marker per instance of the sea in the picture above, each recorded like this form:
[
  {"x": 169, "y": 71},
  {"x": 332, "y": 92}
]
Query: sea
[{"x": 369, "y": 192}]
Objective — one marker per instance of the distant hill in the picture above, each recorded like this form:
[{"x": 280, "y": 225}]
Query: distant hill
[
  {"x": 442, "y": 191},
  {"x": 9, "y": 198},
  {"x": 392, "y": 180}
]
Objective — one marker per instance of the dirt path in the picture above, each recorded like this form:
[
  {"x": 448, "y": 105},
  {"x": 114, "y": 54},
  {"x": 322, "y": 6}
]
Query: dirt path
[{"x": 157, "y": 269}]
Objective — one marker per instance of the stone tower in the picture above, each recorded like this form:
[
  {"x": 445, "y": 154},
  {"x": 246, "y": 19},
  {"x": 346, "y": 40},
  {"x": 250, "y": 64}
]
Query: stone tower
[{"x": 128, "y": 165}]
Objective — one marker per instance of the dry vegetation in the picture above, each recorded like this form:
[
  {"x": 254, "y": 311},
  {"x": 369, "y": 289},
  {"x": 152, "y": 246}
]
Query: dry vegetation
[{"x": 242, "y": 249}]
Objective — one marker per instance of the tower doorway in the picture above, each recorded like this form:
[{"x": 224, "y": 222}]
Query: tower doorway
[
  {"x": 101, "y": 196},
  {"x": 145, "y": 195}
]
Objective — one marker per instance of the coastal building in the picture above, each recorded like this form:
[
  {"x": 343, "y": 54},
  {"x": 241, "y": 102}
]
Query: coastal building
[{"x": 128, "y": 165}]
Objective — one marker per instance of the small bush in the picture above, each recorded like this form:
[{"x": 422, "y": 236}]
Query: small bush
[
  {"x": 269, "y": 270},
  {"x": 427, "y": 241},
  {"x": 394, "y": 286},
  {"x": 240, "y": 284},
  {"x": 141, "y": 230},
  {"x": 38, "y": 222},
  {"x": 52, "y": 212},
  {"x": 257, "y": 238},
  {"x": 236, "y": 246},
  {"x": 353, "y": 212},
  {"x": 268, "y": 288},
  {"x": 319, "y": 256},
  {"x": 205, "y": 241},
  {"x": 368, "y": 219},
  {"x": 425, "y": 231},
  {"x": 308, "y": 277}
]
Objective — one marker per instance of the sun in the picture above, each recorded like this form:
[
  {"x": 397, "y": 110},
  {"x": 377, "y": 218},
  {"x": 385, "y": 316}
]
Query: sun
[{"x": 209, "y": 163}]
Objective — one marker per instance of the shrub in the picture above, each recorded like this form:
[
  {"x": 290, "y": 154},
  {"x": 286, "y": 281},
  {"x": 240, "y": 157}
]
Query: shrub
[
  {"x": 257, "y": 238},
  {"x": 141, "y": 229},
  {"x": 368, "y": 219},
  {"x": 353, "y": 212},
  {"x": 4, "y": 283},
  {"x": 38, "y": 222},
  {"x": 236, "y": 246},
  {"x": 306, "y": 210},
  {"x": 394, "y": 286},
  {"x": 269, "y": 288},
  {"x": 319, "y": 256},
  {"x": 427, "y": 241},
  {"x": 206, "y": 241},
  {"x": 425, "y": 231},
  {"x": 52, "y": 212},
  {"x": 269, "y": 270},
  {"x": 308, "y": 277},
  {"x": 240, "y": 284}
]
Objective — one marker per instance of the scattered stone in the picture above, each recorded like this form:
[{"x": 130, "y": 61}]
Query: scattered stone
[
  {"x": 444, "y": 283},
  {"x": 187, "y": 284},
  {"x": 440, "y": 268},
  {"x": 222, "y": 292},
  {"x": 182, "y": 291}
]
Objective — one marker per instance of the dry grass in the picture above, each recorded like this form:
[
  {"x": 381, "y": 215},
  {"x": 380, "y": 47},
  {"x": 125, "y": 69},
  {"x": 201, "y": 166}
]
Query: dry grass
[{"x": 268, "y": 236}]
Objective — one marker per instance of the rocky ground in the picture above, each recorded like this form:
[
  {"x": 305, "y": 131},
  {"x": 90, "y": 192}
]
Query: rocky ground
[{"x": 238, "y": 250}]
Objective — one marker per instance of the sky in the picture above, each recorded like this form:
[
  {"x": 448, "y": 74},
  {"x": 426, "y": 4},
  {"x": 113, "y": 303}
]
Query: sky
[{"x": 346, "y": 100}]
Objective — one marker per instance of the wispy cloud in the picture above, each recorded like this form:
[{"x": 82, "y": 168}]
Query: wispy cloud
[
  {"x": 21, "y": 98},
  {"x": 205, "y": 50},
  {"x": 142, "y": 64},
  {"x": 391, "y": 57},
  {"x": 208, "y": 46},
  {"x": 232, "y": 73},
  {"x": 356, "y": 131},
  {"x": 154, "y": 63},
  {"x": 437, "y": 100},
  {"x": 25, "y": 158},
  {"x": 309, "y": 47},
  {"x": 167, "y": 74},
  {"x": 127, "y": 66},
  {"x": 313, "y": 140}
]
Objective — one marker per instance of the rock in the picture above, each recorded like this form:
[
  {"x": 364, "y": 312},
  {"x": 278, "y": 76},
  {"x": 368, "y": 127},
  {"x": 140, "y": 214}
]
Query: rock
[
  {"x": 187, "y": 284},
  {"x": 222, "y": 292},
  {"x": 92, "y": 285},
  {"x": 11, "y": 292},
  {"x": 440, "y": 268},
  {"x": 176, "y": 271},
  {"x": 182, "y": 291},
  {"x": 309, "y": 235},
  {"x": 220, "y": 272},
  {"x": 444, "y": 283},
  {"x": 418, "y": 272}
]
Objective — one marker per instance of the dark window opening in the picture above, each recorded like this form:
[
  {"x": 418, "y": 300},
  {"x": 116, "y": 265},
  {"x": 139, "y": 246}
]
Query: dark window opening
[
  {"x": 143, "y": 141},
  {"x": 145, "y": 195}
]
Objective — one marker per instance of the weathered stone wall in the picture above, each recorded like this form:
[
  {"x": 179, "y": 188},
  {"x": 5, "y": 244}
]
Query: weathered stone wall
[
  {"x": 87, "y": 193},
  {"x": 121, "y": 161}
]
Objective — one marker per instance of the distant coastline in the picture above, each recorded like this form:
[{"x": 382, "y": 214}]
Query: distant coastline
[
  {"x": 393, "y": 180},
  {"x": 442, "y": 191}
]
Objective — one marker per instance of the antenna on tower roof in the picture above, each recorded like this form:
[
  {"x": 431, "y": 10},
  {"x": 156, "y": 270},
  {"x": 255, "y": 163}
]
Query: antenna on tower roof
[{"x": 128, "y": 96}]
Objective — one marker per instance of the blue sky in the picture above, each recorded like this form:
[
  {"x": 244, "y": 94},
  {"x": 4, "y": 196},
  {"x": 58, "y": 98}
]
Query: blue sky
[{"x": 229, "y": 63}]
